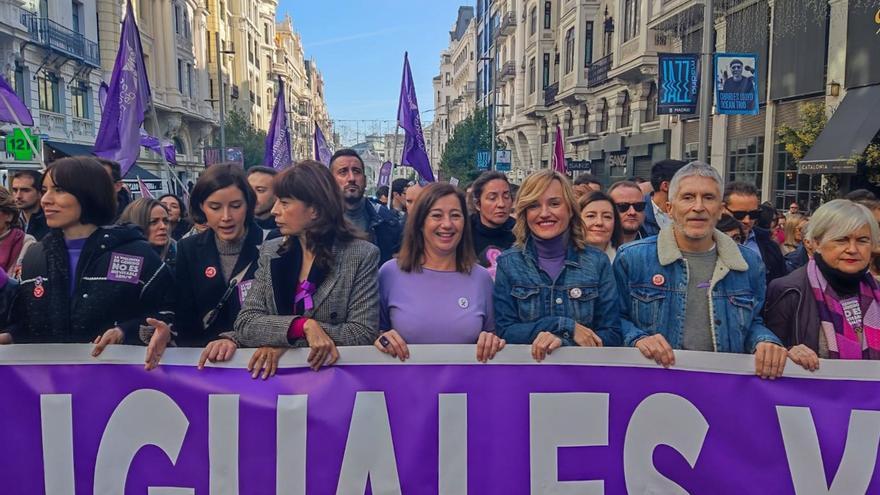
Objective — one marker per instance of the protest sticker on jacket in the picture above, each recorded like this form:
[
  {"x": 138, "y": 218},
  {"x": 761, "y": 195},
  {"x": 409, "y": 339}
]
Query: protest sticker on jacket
[
  {"x": 736, "y": 83},
  {"x": 586, "y": 421}
]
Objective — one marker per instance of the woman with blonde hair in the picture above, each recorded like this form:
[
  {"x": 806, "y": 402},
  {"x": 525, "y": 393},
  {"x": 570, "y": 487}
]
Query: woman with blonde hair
[
  {"x": 551, "y": 287},
  {"x": 152, "y": 218},
  {"x": 793, "y": 234},
  {"x": 830, "y": 308}
]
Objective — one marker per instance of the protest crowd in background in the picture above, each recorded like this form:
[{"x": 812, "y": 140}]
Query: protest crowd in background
[{"x": 302, "y": 258}]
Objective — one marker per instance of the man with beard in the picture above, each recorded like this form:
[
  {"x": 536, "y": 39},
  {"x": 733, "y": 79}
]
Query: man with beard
[
  {"x": 383, "y": 227},
  {"x": 630, "y": 203},
  {"x": 260, "y": 180},
  {"x": 691, "y": 287},
  {"x": 492, "y": 225},
  {"x": 742, "y": 203},
  {"x": 26, "y": 191}
]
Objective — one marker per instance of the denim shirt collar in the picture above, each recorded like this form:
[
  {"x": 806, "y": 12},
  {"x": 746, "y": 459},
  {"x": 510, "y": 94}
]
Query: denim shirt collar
[{"x": 728, "y": 250}]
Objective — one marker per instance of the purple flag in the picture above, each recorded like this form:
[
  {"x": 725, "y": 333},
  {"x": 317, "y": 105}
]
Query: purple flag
[
  {"x": 127, "y": 99},
  {"x": 277, "y": 153},
  {"x": 13, "y": 109},
  {"x": 102, "y": 94},
  {"x": 414, "y": 152},
  {"x": 384, "y": 175},
  {"x": 152, "y": 144},
  {"x": 322, "y": 151},
  {"x": 144, "y": 190}
]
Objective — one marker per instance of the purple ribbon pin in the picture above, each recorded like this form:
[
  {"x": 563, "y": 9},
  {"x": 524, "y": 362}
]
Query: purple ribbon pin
[{"x": 304, "y": 292}]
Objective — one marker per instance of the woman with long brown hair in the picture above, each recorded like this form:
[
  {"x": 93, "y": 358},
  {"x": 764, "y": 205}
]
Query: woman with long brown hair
[
  {"x": 316, "y": 286},
  {"x": 437, "y": 258},
  {"x": 13, "y": 240}
]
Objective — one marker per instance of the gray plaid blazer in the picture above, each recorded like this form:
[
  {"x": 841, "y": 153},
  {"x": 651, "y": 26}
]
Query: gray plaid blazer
[{"x": 346, "y": 304}]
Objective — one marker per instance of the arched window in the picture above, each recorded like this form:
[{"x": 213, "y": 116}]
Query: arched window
[
  {"x": 178, "y": 146},
  {"x": 651, "y": 112},
  {"x": 532, "y": 75},
  {"x": 533, "y": 20},
  {"x": 548, "y": 14},
  {"x": 625, "y": 110}
]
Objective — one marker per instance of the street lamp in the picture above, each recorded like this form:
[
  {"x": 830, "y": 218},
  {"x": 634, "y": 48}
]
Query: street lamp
[{"x": 222, "y": 98}]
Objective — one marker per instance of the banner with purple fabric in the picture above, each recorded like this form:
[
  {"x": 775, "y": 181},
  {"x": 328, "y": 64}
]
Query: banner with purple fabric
[
  {"x": 322, "y": 150},
  {"x": 128, "y": 97},
  {"x": 152, "y": 143},
  {"x": 585, "y": 421},
  {"x": 12, "y": 109},
  {"x": 385, "y": 175},
  {"x": 277, "y": 154},
  {"x": 415, "y": 153}
]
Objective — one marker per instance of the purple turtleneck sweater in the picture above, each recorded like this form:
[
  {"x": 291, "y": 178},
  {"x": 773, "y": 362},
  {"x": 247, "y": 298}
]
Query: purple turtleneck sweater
[{"x": 551, "y": 254}]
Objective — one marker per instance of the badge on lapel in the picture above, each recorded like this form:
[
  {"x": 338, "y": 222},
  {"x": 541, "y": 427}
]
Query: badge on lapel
[{"x": 210, "y": 272}]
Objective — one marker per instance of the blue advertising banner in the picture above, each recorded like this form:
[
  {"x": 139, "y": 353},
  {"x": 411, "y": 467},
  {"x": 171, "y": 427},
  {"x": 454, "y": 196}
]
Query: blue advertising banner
[
  {"x": 736, "y": 83},
  {"x": 678, "y": 83}
]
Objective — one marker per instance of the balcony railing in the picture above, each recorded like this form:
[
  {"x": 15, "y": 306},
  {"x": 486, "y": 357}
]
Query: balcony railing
[
  {"x": 507, "y": 70},
  {"x": 598, "y": 72},
  {"x": 54, "y": 36},
  {"x": 507, "y": 25},
  {"x": 550, "y": 93},
  {"x": 470, "y": 87}
]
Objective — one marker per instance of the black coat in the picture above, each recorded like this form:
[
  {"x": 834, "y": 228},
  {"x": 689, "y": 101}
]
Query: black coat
[
  {"x": 771, "y": 253},
  {"x": 105, "y": 294},
  {"x": 200, "y": 286},
  {"x": 486, "y": 238},
  {"x": 37, "y": 226},
  {"x": 791, "y": 311}
]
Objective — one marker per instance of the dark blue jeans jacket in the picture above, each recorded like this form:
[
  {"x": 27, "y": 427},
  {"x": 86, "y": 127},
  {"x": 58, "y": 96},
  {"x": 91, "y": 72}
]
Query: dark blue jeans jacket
[{"x": 528, "y": 302}]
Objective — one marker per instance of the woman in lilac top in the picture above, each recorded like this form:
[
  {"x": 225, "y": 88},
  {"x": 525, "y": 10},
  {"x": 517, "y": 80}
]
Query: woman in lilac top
[{"x": 434, "y": 292}]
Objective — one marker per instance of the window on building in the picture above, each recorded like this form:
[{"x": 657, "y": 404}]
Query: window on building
[
  {"x": 186, "y": 28},
  {"x": 548, "y": 14},
  {"x": 533, "y": 20},
  {"x": 75, "y": 16},
  {"x": 19, "y": 83},
  {"x": 569, "y": 50},
  {"x": 790, "y": 186},
  {"x": 603, "y": 116},
  {"x": 532, "y": 75},
  {"x": 545, "y": 134},
  {"x": 569, "y": 128},
  {"x": 585, "y": 120},
  {"x": 651, "y": 112},
  {"x": 176, "y": 18},
  {"x": 189, "y": 80},
  {"x": 546, "y": 71},
  {"x": 630, "y": 19},
  {"x": 448, "y": 79},
  {"x": 588, "y": 44},
  {"x": 266, "y": 33},
  {"x": 180, "y": 75},
  {"x": 609, "y": 36},
  {"x": 625, "y": 111},
  {"x": 745, "y": 160},
  {"x": 47, "y": 90},
  {"x": 79, "y": 95}
]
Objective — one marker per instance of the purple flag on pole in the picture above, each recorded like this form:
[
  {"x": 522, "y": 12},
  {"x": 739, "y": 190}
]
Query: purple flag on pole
[
  {"x": 414, "y": 152},
  {"x": 384, "y": 175},
  {"x": 144, "y": 190},
  {"x": 322, "y": 151},
  {"x": 13, "y": 109},
  {"x": 559, "y": 152},
  {"x": 152, "y": 144},
  {"x": 127, "y": 99},
  {"x": 277, "y": 153}
]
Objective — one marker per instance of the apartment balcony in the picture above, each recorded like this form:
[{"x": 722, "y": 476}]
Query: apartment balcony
[
  {"x": 53, "y": 124},
  {"x": 507, "y": 25},
  {"x": 83, "y": 128},
  {"x": 470, "y": 87},
  {"x": 597, "y": 73},
  {"x": 55, "y": 37},
  {"x": 507, "y": 71},
  {"x": 550, "y": 93}
]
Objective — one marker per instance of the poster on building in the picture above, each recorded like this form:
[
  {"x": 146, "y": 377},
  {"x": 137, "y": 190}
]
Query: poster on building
[
  {"x": 736, "y": 83},
  {"x": 678, "y": 83},
  {"x": 503, "y": 159}
]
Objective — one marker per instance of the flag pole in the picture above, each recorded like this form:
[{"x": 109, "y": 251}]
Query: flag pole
[
  {"x": 162, "y": 149},
  {"x": 23, "y": 130},
  {"x": 393, "y": 166}
]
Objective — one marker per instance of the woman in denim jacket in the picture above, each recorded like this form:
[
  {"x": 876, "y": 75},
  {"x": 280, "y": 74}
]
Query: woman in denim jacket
[{"x": 551, "y": 289}]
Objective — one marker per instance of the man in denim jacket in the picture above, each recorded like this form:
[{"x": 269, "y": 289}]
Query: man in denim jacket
[{"x": 692, "y": 287}]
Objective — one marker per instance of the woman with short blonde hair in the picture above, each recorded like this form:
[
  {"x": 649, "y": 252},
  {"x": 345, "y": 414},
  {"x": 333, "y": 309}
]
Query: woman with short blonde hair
[{"x": 551, "y": 288}]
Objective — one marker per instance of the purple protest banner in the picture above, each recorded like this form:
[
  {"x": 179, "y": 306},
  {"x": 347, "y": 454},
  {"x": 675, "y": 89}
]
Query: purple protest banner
[
  {"x": 322, "y": 150},
  {"x": 385, "y": 175},
  {"x": 585, "y": 421}
]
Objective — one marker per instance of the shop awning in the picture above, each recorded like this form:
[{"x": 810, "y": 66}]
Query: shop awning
[
  {"x": 70, "y": 149},
  {"x": 136, "y": 171},
  {"x": 847, "y": 134}
]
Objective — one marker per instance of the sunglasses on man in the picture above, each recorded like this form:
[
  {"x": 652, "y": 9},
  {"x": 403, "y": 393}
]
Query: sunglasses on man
[
  {"x": 624, "y": 207},
  {"x": 739, "y": 215}
]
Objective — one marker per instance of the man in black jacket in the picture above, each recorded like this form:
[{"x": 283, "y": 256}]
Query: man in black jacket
[
  {"x": 492, "y": 225},
  {"x": 382, "y": 226},
  {"x": 26, "y": 190},
  {"x": 741, "y": 201}
]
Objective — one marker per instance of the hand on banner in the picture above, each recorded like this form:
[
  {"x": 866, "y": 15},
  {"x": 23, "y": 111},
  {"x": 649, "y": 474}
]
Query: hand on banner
[
  {"x": 158, "y": 342},
  {"x": 110, "y": 337},
  {"x": 392, "y": 343},
  {"x": 488, "y": 344},
  {"x": 265, "y": 360},
  {"x": 804, "y": 356},
  {"x": 324, "y": 352},
  {"x": 544, "y": 344},
  {"x": 770, "y": 360},
  {"x": 217, "y": 351},
  {"x": 657, "y": 348},
  {"x": 585, "y": 337},
  {"x": 5, "y": 338}
]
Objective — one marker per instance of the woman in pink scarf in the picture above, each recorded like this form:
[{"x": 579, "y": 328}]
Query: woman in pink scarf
[{"x": 13, "y": 241}]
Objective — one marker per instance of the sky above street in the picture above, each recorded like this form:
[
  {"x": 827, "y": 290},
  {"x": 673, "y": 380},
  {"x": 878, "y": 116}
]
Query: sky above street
[{"x": 359, "y": 46}]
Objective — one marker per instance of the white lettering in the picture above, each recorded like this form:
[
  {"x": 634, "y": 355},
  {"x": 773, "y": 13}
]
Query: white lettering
[
  {"x": 661, "y": 419},
  {"x": 564, "y": 420},
  {"x": 369, "y": 451},
  {"x": 290, "y": 437},
  {"x": 805, "y": 460},
  {"x": 56, "y": 418},
  {"x": 223, "y": 444},
  {"x": 453, "y": 440}
]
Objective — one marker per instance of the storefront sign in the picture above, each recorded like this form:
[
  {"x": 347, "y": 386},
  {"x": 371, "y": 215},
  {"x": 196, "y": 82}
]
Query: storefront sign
[
  {"x": 580, "y": 165},
  {"x": 17, "y": 146},
  {"x": 736, "y": 83},
  {"x": 679, "y": 83}
]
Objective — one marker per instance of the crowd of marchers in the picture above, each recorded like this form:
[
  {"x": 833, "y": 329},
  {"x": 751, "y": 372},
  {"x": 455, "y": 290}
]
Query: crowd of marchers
[{"x": 302, "y": 258}]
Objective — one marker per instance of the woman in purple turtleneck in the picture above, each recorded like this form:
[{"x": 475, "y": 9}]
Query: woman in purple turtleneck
[{"x": 551, "y": 288}]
